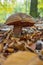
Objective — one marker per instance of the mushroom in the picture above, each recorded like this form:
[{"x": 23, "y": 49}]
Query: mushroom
[{"x": 20, "y": 20}]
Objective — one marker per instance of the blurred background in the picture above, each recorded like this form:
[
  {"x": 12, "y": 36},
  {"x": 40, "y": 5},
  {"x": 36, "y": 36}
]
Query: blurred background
[{"x": 30, "y": 7}]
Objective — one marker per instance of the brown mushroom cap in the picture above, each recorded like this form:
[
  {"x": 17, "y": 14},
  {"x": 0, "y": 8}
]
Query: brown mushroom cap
[
  {"x": 23, "y": 58},
  {"x": 20, "y": 19}
]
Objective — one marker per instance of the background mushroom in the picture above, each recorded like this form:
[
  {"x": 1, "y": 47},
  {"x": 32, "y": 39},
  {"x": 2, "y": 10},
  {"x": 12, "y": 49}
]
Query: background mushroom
[{"x": 20, "y": 20}]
